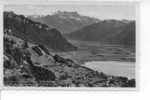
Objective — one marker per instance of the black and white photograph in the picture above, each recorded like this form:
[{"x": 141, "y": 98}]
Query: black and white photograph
[{"x": 70, "y": 45}]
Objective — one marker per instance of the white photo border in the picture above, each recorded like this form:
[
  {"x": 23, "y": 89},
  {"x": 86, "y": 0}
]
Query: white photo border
[{"x": 45, "y": 2}]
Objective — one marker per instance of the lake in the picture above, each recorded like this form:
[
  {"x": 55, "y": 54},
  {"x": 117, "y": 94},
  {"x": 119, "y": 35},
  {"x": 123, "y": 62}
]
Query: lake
[{"x": 115, "y": 68}]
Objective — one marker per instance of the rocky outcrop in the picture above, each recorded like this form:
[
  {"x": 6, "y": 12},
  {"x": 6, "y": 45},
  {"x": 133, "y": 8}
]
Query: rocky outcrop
[{"x": 40, "y": 74}]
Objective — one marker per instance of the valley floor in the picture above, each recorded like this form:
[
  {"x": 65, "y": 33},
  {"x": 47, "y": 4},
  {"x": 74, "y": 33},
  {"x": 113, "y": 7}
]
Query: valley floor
[
  {"x": 94, "y": 51},
  {"x": 110, "y": 59}
]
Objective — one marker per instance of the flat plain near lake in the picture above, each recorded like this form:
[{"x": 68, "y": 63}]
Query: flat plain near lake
[{"x": 111, "y": 59}]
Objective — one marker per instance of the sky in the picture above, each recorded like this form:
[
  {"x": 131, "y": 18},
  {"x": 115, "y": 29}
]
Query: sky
[{"x": 113, "y": 11}]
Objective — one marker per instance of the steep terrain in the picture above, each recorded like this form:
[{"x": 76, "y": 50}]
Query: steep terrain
[
  {"x": 29, "y": 64},
  {"x": 107, "y": 31},
  {"x": 65, "y": 22},
  {"x": 36, "y": 32}
]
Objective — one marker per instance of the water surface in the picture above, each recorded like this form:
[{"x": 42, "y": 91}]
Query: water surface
[{"x": 115, "y": 68}]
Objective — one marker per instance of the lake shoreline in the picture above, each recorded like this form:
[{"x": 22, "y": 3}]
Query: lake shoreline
[{"x": 115, "y": 68}]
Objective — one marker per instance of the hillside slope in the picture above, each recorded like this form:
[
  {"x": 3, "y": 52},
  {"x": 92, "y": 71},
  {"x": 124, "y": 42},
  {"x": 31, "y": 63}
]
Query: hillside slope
[
  {"x": 36, "y": 32},
  {"x": 109, "y": 31},
  {"x": 24, "y": 66}
]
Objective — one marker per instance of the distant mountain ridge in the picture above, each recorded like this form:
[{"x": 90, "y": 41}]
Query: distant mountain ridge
[
  {"x": 36, "y": 32},
  {"x": 109, "y": 31},
  {"x": 65, "y": 22}
]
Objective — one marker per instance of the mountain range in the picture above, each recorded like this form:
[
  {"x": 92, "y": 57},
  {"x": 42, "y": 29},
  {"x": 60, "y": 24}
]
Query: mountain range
[
  {"x": 79, "y": 27},
  {"x": 107, "y": 31},
  {"x": 65, "y": 22}
]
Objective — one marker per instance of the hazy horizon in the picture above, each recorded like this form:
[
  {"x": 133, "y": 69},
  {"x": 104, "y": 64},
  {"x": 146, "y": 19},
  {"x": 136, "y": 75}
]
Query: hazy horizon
[{"x": 102, "y": 12}]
